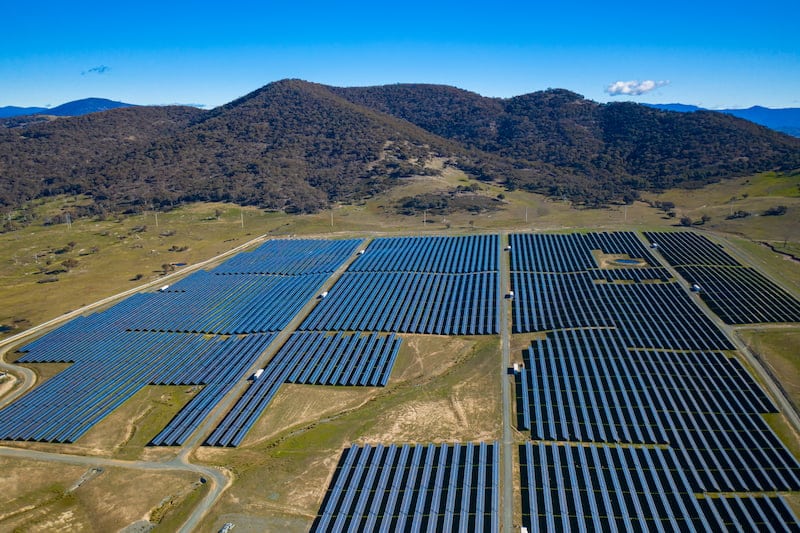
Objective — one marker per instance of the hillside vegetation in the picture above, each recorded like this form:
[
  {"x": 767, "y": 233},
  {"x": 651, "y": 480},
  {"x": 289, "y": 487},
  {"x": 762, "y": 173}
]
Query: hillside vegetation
[{"x": 299, "y": 146}]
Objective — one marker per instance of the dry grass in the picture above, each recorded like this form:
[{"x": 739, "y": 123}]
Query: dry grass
[
  {"x": 442, "y": 389},
  {"x": 38, "y": 496}
]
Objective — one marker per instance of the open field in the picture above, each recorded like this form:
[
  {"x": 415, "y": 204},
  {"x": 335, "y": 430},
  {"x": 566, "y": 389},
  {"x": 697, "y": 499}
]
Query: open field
[
  {"x": 39, "y": 496},
  {"x": 442, "y": 389},
  {"x": 780, "y": 349}
]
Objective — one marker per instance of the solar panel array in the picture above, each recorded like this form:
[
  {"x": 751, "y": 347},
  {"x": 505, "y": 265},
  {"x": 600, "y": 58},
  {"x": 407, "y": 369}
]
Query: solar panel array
[
  {"x": 554, "y": 282},
  {"x": 445, "y": 487},
  {"x": 310, "y": 358},
  {"x": 737, "y": 294},
  {"x": 633, "y": 403},
  {"x": 291, "y": 257},
  {"x": 614, "y": 488},
  {"x": 112, "y": 367},
  {"x": 684, "y": 248},
  {"x": 154, "y": 339},
  {"x": 585, "y": 386},
  {"x": 434, "y": 285}
]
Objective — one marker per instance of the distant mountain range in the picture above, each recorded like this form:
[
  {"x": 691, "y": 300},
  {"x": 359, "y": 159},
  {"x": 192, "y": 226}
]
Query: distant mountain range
[
  {"x": 298, "y": 146},
  {"x": 786, "y": 120},
  {"x": 70, "y": 109}
]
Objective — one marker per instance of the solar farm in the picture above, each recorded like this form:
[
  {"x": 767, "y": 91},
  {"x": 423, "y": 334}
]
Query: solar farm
[{"x": 631, "y": 407}]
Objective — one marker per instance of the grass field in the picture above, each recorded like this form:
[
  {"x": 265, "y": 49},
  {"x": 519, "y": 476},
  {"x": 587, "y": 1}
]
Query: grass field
[
  {"x": 780, "y": 349},
  {"x": 38, "y": 496}
]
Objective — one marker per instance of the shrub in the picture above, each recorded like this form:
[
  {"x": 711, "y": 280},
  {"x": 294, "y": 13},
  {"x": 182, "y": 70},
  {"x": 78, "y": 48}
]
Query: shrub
[{"x": 776, "y": 211}]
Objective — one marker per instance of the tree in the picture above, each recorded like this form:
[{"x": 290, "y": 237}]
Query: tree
[
  {"x": 686, "y": 221},
  {"x": 776, "y": 211}
]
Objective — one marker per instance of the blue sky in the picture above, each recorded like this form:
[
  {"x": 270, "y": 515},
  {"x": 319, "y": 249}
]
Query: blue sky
[{"x": 708, "y": 53}]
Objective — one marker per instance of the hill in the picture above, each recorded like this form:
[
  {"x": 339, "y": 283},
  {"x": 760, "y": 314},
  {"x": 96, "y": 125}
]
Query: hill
[
  {"x": 70, "y": 109},
  {"x": 786, "y": 120},
  {"x": 608, "y": 149},
  {"x": 298, "y": 146},
  {"x": 84, "y": 107},
  {"x": 15, "y": 111}
]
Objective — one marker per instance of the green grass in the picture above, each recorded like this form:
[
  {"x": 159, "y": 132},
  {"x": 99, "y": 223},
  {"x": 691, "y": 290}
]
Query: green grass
[
  {"x": 110, "y": 255},
  {"x": 779, "y": 348}
]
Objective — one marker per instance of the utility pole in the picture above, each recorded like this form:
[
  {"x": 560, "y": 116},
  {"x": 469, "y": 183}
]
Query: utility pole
[
  {"x": 241, "y": 216},
  {"x": 69, "y": 222},
  {"x": 526, "y": 215},
  {"x": 156, "y": 214}
]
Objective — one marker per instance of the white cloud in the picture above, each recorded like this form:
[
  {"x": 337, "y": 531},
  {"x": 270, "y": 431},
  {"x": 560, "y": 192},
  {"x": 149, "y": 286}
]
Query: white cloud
[{"x": 634, "y": 87}]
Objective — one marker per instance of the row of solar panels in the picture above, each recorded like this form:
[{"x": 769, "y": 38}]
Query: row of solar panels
[
  {"x": 737, "y": 294},
  {"x": 119, "y": 351},
  {"x": 613, "y": 488},
  {"x": 659, "y": 315},
  {"x": 445, "y": 487},
  {"x": 572, "y": 252},
  {"x": 70, "y": 403},
  {"x": 686, "y": 248},
  {"x": 442, "y": 304},
  {"x": 291, "y": 257},
  {"x": 315, "y": 359},
  {"x": 442, "y": 255},
  {"x": 231, "y": 305},
  {"x": 587, "y": 387}
]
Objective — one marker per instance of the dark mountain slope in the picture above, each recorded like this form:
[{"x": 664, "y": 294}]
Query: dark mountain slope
[
  {"x": 290, "y": 143},
  {"x": 668, "y": 149},
  {"x": 605, "y": 147},
  {"x": 299, "y": 145},
  {"x": 446, "y": 111},
  {"x": 63, "y": 155}
]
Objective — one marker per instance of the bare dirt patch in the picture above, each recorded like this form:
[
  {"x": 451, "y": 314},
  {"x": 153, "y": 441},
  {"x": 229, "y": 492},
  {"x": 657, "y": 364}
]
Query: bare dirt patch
[
  {"x": 41, "y": 496},
  {"x": 459, "y": 400},
  {"x": 7, "y": 384}
]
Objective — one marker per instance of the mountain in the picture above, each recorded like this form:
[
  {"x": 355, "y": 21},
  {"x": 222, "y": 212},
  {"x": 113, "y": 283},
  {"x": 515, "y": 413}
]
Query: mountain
[
  {"x": 290, "y": 144},
  {"x": 70, "y": 109},
  {"x": 786, "y": 120},
  {"x": 14, "y": 111},
  {"x": 298, "y": 146},
  {"x": 609, "y": 149},
  {"x": 84, "y": 107}
]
